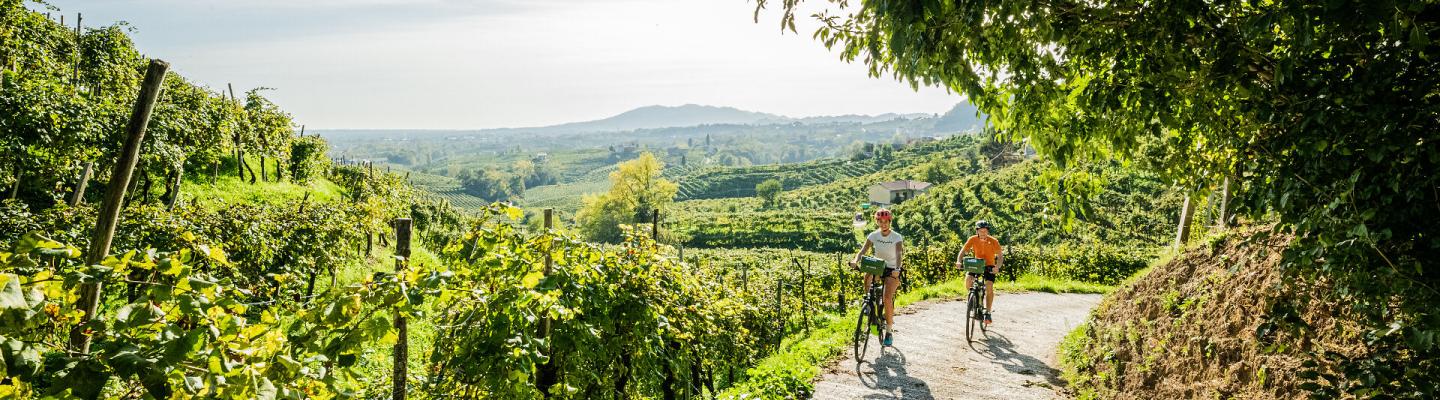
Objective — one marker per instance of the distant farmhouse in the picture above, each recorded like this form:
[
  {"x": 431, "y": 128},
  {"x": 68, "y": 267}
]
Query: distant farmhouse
[{"x": 896, "y": 192}]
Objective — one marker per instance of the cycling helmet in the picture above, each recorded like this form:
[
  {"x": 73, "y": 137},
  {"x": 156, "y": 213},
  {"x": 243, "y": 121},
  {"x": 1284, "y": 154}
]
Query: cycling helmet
[
  {"x": 982, "y": 224},
  {"x": 883, "y": 215}
]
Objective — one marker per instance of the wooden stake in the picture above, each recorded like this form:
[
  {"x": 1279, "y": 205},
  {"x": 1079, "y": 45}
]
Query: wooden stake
[
  {"x": 545, "y": 376},
  {"x": 779, "y": 312},
  {"x": 110, "y": 210},
  {"x": 402, "y": 342},
  {"x": 78, "y": 54},
  {"x": 1225, "y": 204},
  {"x": 840, "y": 277},
  {"x": 79, "y": 195},
  {"x": 1182, "y": 232}
]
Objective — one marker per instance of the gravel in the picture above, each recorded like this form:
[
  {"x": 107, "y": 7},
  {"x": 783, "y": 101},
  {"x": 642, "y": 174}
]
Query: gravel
[{"x": 930, "y": 359}]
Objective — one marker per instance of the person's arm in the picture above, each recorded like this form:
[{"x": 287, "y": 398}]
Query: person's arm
[
  {"x": 999, "y": 257},
  {"x": 900, "y": 255},
  {"x": 959, "y": 257},
  {"x": 854, "y": 262}
]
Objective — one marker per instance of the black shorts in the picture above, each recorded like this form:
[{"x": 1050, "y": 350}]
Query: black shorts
[{"x": 989, "y": 273}]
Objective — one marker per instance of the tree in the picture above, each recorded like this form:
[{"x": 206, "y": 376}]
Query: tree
[
  {"x": 769, "y": 191},
  {"x": 1323, "y": 113},
  {"x": 491, "y": 184},
  {"x": 939, "y": 171},
  {"x": 637, "y": 190}
]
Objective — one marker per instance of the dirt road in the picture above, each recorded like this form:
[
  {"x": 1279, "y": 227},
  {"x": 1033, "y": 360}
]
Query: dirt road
[{"x": 930, "y": 359}]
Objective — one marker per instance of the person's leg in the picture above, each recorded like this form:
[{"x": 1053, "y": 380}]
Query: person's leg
[
  {"x": 989, "y": 295},
  {"x": 969, "y": 281},
  {"x": 891, "y": 284},
  {"x": 989, "y": 292}
]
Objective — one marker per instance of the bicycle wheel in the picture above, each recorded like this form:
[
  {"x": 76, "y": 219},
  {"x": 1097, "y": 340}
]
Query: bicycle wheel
[
  {"x": 861, "y": 341},
  {"x": 983, "y": 329},
  {"x": 972, "y": 310}
]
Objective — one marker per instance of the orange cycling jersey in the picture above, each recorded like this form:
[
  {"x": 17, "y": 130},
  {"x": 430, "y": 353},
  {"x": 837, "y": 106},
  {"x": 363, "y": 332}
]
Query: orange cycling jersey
[{"x": 985, "y": 248}]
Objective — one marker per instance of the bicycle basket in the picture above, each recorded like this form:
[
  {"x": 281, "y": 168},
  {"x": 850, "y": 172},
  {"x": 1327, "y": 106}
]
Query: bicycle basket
[
  {"x": 974, "y": 265},
  {"x": 872, "y": 265}
]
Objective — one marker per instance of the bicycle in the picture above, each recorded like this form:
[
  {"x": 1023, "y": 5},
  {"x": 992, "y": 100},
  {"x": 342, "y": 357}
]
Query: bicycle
[
  {"x": 871, "y": 308},
  {"x": 974, "y": 308}
]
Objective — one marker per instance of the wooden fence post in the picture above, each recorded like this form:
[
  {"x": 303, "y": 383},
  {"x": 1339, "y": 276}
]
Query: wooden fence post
[
  {"x": 779, "y": 312},
  {"x": 79, "y": 20},
  {"x": 1182, "y": 232},
  {"x": 402, "y": 341},
  {"x": 745, "y": 277},
  {"x": 804, "y": 295},
  {"x": 1225, "y": 204},
  {"x": 79, "y": 195},
  {"x": 545, "y": 376},
  {"x": 840, "y": 281},
  {"x": 104, "y": 232}
]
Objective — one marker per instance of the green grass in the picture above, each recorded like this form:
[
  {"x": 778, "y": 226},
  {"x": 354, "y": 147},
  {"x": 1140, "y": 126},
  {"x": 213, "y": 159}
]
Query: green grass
[
  {"x": 231, "y": 190},
  {"x": 1036, "y": 283},
  {"x": 792, "y": 371},
  {"x": 1074, "y": 354}
]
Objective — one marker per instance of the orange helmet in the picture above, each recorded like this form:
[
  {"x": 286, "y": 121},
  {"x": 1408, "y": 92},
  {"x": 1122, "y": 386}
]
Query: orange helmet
[{"x": 883, "y": 215}]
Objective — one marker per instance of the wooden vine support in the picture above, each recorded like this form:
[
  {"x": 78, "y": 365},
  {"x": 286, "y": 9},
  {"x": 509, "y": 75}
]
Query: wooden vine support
[
  {"x": 114, "y": 195},
  {"x": 779, "y": 312},
  {"x": 546, "y": 375},
  {"x": 1182, "y": 232},
  {"x": 840, "y": 274},
  {"x": 402, "y": 342},
  {"x": 79, "y": 195}
]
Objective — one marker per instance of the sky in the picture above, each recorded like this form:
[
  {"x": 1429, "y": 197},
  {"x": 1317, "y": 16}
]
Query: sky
[{"x": 453, "y": 64}]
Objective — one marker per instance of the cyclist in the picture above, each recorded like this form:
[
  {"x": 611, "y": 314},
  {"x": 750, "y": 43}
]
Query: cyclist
[
  {"x": 887, "y": 246},
  {"x": 988, "y": 248}
]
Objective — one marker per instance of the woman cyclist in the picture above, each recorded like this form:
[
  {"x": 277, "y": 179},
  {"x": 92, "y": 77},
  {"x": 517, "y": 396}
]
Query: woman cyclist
[{"x": 887, "y": 246}]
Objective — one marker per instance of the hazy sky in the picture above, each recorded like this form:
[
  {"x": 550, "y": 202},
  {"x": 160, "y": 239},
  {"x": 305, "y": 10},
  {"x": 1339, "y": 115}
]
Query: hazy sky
[{"x": 452, "y": 64}]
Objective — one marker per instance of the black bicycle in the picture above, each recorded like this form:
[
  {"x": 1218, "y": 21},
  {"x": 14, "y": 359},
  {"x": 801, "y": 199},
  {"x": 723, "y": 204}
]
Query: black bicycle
[
  {"x": 974, "y": 304},
  {"x": 870, "y": 307}
]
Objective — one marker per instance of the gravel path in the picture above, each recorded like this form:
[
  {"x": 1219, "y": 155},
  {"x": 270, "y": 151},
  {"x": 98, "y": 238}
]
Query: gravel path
[{"x": 930, "y": 359}]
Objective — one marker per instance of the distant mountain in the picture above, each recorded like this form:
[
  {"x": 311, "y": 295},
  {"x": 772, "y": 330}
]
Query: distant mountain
[
  {"x": 860, "y": 119},
  {"x": 961, "y": 118},
  {"x": 666, "y": 117}
]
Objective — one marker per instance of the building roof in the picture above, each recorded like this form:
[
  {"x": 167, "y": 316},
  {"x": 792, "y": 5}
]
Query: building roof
[{"x": 905, "y": 184}]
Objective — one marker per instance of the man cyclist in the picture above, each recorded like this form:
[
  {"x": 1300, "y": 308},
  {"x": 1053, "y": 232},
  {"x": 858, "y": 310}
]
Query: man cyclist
[
  {"x": 887, "y": 246},
  {"x": 984, "y": 247}
]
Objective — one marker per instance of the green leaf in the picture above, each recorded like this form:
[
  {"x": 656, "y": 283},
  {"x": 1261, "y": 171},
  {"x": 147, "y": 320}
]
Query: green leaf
[
  {"x": 531, "y": 279},
  {"x": 21, "y": 359},
  {"x": 12, "y": 297}
]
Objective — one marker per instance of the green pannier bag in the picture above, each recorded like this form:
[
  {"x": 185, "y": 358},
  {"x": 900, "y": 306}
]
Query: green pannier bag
[
  {"x": 872, "y": 265},
  {"x": 974, "y": 265}
]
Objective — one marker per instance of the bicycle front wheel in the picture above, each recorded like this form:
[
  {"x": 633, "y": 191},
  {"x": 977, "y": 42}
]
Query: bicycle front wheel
[
  {"x": 984, "y": 330},
  {"x": 861, "y": 341},
  {"x": 972, "y": 312}
]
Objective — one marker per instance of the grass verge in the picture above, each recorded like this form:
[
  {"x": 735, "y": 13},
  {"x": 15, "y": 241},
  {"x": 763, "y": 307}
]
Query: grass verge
[
  {"x": 791, "y": 372},
  {"x": 231, "y": 190}
]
